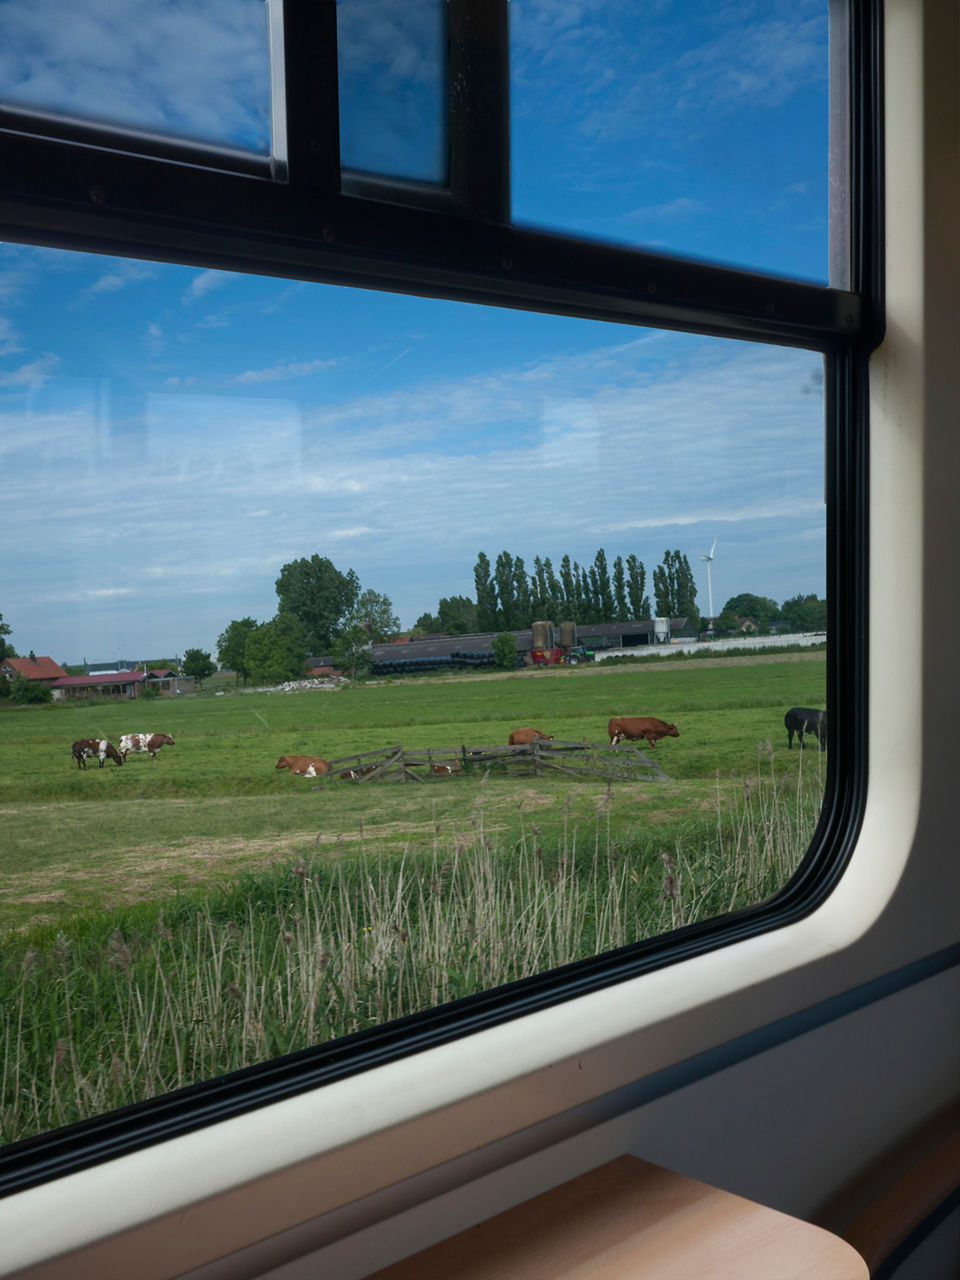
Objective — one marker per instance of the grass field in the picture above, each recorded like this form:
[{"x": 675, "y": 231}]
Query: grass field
[{"x": 170, "y": 920}]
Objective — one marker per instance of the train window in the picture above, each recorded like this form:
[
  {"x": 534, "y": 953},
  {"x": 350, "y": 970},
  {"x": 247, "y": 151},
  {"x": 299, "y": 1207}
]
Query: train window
[
  {"x": 402, "y": 657},
  {"x": 725, "y": 118},
  {"x": 123, "y": 66},
  {"x": 393, "y": 100}
]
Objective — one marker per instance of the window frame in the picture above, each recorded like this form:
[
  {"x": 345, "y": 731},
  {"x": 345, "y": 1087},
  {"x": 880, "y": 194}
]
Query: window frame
[{"x": 82, "y": 192}]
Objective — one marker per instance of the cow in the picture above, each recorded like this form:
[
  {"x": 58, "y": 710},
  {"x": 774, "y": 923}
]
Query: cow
[
  {"x": 801, "y": 720},
  {"x": 523, "y": 737},
  {"x": 356, "y": 773},
  {"x": 445, "y": 768},
  {"x": 151, "y": 742},
  {"x": 307, "y": 766},
  {"x": 639, "y": 727},
  {"x": 86, "y": 748}
]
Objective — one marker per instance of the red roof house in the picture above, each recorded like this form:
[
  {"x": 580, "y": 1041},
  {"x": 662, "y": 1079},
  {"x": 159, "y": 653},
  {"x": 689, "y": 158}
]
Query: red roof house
[{"x": 32, "y": 668}]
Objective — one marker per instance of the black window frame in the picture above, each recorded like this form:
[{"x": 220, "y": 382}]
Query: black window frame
[{"x": 103, "y": 191}]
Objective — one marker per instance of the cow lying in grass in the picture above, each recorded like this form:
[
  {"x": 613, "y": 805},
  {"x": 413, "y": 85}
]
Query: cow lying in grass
[
  {"x": 151, "y": 742},
  {"x": 523, "y": 737},
  {"x": 306, "y": 766},
  {"x": 86, "y": 748}
]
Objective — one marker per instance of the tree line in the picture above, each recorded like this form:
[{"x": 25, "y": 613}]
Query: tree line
[{"x": 509, "y": 598}]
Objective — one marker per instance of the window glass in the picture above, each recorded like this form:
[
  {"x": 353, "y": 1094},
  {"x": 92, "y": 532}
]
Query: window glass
[
  {"x": 203, "y": 470},
  {"x": 393, "y": 97},
  {"x": 198, "y": 71},
  {"x": 694, "y": 128}
]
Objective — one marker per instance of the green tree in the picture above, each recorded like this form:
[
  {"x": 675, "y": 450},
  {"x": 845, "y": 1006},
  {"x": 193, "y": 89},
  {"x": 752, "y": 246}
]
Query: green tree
[
  {"x": 426, "y": 623},
  {"x": 636, "y": 586},
  {"x": 457, "y": 616},
  {"x": 6, "y": 650},
  {"x": 569, "y": 591},
  {"x": 675, "y": 588},
  {"x": 25, "y": 691},
  {"x": 198, "y": 664},
  {"x": 602, "y": 592},
  {"x": 805, "y": 613},
  {"x": 554, "y": 592},
  {"x": 486, "y": 594},
  {"x": 506, "y": 594},
  {"x": 317, "y": 593},
  {"x": 522, "y": 595},
  {"x": 4, "y": 687},
  {"x": 374, "y": 613},
  {"x": 505, "y": 650},
  {"x": 277, "y": 650},
  {"x": 621, "y": 608},
  {"x": 232, "y": 647},
  {"x": 351, "y": 651},
  {"x": 760, "y": 608},
  {"x": 727, "y": 621}
]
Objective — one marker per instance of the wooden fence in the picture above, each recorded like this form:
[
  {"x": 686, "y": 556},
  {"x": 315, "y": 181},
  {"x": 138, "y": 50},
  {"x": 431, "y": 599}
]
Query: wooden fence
[{"x": 625, "y": 763}]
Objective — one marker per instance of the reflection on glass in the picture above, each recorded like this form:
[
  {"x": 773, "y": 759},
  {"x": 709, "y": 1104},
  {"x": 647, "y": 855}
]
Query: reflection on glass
[
  {"x": 393, "y": 93},
  {"x": 705, "y": 136},
  {"x": 197, "y": 72},
  {"x": 197, "y": 465}
]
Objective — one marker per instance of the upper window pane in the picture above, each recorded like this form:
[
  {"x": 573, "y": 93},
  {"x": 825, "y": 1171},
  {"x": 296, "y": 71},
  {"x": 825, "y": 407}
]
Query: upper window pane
[
  {"x": 197, "y": 71},
  {"x": 682, "y": 126},
  {"x": 393, "y": 94}
]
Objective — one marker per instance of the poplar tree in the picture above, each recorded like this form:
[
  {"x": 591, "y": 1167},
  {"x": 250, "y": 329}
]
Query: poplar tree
[{"x": 486, "y": 595}]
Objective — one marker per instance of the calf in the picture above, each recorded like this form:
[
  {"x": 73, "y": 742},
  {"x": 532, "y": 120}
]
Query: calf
[
  {"x": 639, "y": 727},
  {"x": 445, "y": 768},
  {"x": 86, "y": 748},
  {"x": 306, "y": 766},
  {"x": 523, "y": 737},
  {"x": 801, "y": 720},
  {"x": 151, "y": 742}
]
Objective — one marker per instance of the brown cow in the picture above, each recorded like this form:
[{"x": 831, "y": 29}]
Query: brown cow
[
  {"x": 523, "y": 737},
  {"x": 445, "y": 768},
  {"x": 639, "y": 727},
  {"x": 308, "y": 766}
]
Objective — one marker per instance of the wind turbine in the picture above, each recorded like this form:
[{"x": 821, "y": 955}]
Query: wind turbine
[{"x": 709, "y": 559}]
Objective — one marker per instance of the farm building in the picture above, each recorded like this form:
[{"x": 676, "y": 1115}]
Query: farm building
[
  {"x": 122, "y": 684},
  {"x": 436, "y": 651},
  {"x": 44, "y": 670}
]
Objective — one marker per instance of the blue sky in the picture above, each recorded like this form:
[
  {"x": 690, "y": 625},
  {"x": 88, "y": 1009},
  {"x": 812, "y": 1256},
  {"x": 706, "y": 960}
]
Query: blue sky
[{"x": 169, "y": 437}]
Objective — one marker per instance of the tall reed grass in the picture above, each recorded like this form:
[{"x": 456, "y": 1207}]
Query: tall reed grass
[{"x": 118, "y": 1009}]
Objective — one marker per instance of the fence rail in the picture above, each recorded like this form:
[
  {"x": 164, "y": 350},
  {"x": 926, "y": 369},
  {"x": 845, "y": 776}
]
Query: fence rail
[{"x": 625, "y": 763}]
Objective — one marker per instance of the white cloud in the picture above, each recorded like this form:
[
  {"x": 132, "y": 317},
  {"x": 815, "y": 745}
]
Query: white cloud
[
  {"x": 281, "y": 372},
  {"x": 203, "y": 283},
  {"x": 32, "y": 374}
]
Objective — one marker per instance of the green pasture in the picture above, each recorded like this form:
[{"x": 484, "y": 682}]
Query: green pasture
[
  {"x": 213, "y": 806},
  {"x": 164, "y": 922}
]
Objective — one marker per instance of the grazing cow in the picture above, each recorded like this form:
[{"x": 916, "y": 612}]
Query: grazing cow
[
  {"x": 523, "y": 737},
  {"x": 445, "y": 768},
  {"x": 86, "y": 748},
  {"x": 151, "y": 742},
  {"x": 639, "y": 727},
  {"x": 801, "y": 720},
  {"x": 307, "y": 766}
]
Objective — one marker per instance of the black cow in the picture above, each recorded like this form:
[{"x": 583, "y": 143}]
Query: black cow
[{"x": 801, "y": 720}]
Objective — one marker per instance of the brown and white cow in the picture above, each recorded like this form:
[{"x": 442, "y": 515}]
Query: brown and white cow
[
  {"x": 151, "y": 742},
  {"x": 445, "y": 768},
  {"x": 86, "y": 748},
  {"x": 523, "y": 737},
  {"x": 639, "y": 727},
  {"x": 307, "y": 766}
]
